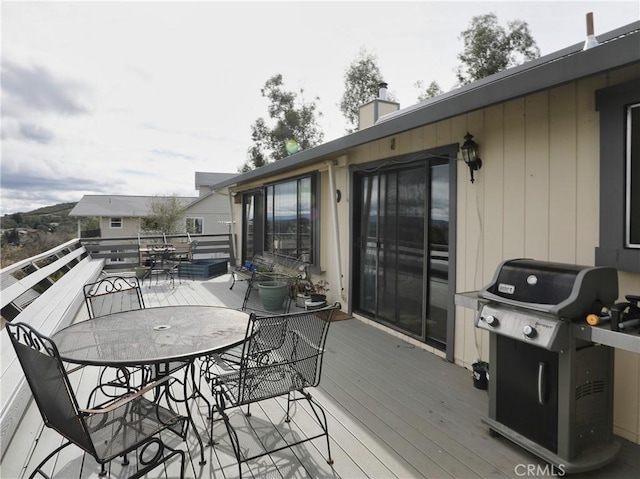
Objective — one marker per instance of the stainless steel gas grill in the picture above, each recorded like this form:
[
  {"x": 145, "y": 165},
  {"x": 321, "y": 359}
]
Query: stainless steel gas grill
[{"x": 550, "y": 391}]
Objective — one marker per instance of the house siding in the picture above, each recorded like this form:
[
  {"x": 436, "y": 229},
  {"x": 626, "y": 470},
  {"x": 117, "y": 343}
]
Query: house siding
[
  {"x": 214, "y": 211},
  {"x": 537, "y": 196},
  {"x": 130, "y": 227}
]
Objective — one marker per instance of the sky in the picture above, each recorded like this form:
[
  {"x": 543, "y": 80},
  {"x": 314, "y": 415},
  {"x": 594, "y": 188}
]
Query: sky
[{"x": 133, "y": 98}]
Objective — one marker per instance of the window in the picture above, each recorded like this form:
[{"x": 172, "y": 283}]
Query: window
[
  {"x": 619, "y": 108},
  {"x": 195, "y": 225},
  {"x": 290, "y": 224},
  {"x": 115, "y": 223},
  {"x": 632, "y": 226}
]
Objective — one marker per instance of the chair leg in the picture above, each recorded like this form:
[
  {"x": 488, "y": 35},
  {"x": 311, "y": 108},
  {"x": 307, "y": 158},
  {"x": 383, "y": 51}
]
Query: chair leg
[
  {"x": 53, "y": 453},
  {"x": 315, "y": 407}
]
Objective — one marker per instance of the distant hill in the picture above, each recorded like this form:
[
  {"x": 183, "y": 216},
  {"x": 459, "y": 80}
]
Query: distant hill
[
  {"x": 45, "y": 228},
  {"x": 42, "y": 216},
  {"x": 61, "y": 209}
]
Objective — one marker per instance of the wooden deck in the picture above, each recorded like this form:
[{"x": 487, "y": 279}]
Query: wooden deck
[{"x": 394, "y": 411}]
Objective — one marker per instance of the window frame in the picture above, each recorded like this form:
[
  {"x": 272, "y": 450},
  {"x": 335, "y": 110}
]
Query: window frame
[
  {"x": 113, "y": 223},
  {"x": 630, "y": 187},
  {"x": 612, "y": 104},
  {"x": 196, "y": 218},
  {"x": 314, "y": 225}
]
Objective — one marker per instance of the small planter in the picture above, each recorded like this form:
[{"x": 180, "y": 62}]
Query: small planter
[
  {"x": 141, "y": 272},
  {"x": 301, "y": 299},
  {"x": 273, "y": 294},
  {"x": 311, "y": 305},
  {"x": 480, "y": 375},
  {"x": 315, "y": 297}
]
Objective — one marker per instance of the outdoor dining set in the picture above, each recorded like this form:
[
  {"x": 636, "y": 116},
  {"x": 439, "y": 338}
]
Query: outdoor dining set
[{"x": 152, "y": 365}]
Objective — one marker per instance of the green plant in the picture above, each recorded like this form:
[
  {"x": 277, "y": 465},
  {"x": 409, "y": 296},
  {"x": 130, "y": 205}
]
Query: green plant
[
  {"x": 321, "y": 287},
  {"x": 481, "y": 365}
]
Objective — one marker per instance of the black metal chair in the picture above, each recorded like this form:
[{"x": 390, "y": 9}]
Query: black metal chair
[
  {"x": 115, "y": 294},
  {"x": 105, "y": 431},
  {"x": 281, "y": 356}
]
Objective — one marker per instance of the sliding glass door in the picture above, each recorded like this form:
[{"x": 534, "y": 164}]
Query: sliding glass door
[{"x": 402, "y": 258}]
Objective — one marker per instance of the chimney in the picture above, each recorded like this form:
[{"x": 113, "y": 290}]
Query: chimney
[
  {"x": 382, "y": 93},
  {"x": 370, "y": 112},
  {"x": 591, "y": 41}
]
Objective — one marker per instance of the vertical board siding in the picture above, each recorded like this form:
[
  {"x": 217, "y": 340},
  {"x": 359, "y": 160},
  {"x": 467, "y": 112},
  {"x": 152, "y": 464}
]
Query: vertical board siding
[
  {"x": 562, "y": 174},
  {"x": 514, "y": 175},
  {"x": 493, "y": 181},
  {"x": 536, "y": 149}
]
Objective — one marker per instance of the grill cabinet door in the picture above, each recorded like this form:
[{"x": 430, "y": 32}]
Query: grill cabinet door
[{"x": 527, "y": 391}]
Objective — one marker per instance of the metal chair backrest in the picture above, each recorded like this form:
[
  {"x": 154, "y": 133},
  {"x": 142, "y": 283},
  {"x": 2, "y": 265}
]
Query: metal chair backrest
[
  {"x": 282, "y": 353},
  {"x": 49, "y": 384},
  {"x": 113, "y": 294}
]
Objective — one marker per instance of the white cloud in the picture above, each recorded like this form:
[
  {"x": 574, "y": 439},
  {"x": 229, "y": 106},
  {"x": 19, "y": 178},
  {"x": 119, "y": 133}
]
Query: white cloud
[{"x": 137, "y": 97}]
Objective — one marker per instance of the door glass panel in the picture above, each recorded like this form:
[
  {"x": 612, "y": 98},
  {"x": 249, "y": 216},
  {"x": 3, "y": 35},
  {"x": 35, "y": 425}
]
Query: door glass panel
[
  {"x": 249, "y": 212},
  {"x": 438, "y": 253},
  {"x": 410, "y": 241},
  {"x": 403, "y": 263},
  {"x": 368, "y": 246},
  {"x": 304, "y": 216},
  {"x": 387, "y": 284}
]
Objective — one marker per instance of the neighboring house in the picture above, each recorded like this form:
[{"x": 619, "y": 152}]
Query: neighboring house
[
  {"x": 389, "y": 217},
  {"x": 122, "y": 215},
  {"x": 118, "y": 215}
]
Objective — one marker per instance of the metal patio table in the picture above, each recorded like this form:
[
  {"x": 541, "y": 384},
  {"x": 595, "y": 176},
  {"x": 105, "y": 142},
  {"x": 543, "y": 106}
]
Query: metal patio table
[{"x": 154, "y": 336}]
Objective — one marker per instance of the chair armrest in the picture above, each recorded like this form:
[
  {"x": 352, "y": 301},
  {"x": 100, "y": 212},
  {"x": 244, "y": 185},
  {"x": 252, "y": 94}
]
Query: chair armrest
[
  {"x": 126, "y": 399},
  {"x": 223, "y": 365},
  {"x": 302, "y": 337}
]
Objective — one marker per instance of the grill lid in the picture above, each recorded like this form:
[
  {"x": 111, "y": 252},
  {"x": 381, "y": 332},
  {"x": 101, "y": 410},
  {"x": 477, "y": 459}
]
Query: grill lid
[{"x": 565, "y": 290}]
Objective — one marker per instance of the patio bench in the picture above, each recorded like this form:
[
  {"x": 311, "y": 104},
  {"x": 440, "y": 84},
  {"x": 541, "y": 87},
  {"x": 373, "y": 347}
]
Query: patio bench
[
  {"x": 250, "y": 269},
  {"x": 50, "y": 311}
]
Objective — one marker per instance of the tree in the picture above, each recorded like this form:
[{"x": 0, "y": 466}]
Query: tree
[
  {"x": 432, "y": 90},
  {"x": 489, "y": 48},
  {"x": 296, "y": 126},
  {"x": 362, "y": 80},
  {"x": 165, "y": 214}
]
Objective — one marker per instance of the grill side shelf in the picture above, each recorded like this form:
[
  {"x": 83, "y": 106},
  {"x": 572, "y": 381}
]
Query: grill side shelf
[{"x": 601, "y": 335}]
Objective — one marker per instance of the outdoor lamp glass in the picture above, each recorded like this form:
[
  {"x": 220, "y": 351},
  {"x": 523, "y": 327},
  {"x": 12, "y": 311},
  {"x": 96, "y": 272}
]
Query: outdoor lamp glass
[{"x": 470, "y": 154}]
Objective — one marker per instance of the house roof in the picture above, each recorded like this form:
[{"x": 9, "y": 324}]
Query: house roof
[
  {"x": 617, "y": 49},
  {"x": 207, "y": 179},
  {"x": 118, "y": 205}
]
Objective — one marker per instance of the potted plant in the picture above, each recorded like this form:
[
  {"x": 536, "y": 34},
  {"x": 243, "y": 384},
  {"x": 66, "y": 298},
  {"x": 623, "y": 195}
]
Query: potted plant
[
  {"x": 480, "y": 374},
  {"x": 320, "y": 290},
  {"x": 141, "y": 272},
  {"x": 301, "y": 286},
  {"x": 272, "y": 294}
]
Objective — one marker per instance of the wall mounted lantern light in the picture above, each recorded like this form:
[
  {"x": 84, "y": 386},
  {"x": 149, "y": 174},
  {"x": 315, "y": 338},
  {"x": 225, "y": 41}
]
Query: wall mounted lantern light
[{"x": 470, "y": 154}]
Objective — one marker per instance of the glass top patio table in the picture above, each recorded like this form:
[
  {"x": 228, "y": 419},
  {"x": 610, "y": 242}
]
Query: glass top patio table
[{"x": 152, "y": 335}]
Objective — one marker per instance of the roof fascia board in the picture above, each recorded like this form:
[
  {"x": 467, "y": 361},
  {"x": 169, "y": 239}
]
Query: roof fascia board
[{"x": 563, "y": 66}]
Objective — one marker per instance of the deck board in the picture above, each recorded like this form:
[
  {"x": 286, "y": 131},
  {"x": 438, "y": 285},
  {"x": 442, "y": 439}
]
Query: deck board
[{"x": 394, "y": 411}]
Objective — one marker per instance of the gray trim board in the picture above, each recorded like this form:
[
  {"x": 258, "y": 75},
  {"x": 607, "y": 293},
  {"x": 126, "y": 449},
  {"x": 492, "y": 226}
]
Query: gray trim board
[{"x": 611, "y": 102}]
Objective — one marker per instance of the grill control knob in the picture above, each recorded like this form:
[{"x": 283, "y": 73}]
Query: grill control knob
[
  {"x": 492, "y": 321},
  {"x": 529, "y": 331}
]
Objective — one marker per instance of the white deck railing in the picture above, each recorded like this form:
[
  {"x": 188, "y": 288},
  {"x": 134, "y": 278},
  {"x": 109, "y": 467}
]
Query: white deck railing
[{"x": 44, "y": 291}]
